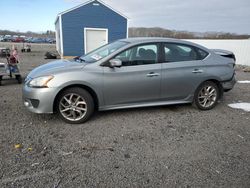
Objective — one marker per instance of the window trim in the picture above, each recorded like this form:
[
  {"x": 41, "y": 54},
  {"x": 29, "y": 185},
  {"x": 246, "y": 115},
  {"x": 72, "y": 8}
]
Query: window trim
[
  {"x": 158, "y": 45},
  {"x": 195, "y": 48}
]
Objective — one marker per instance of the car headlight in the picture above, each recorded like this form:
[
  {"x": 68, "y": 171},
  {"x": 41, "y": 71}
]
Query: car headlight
[{"x": 40, "y": 82}]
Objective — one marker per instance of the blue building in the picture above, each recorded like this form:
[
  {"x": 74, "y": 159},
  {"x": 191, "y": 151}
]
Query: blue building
[{"x": 87, "y": 27}]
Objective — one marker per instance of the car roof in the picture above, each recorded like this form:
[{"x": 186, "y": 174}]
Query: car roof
[
  {"x": 150, "y": 39},
  {"x": 141, "y": 40}
]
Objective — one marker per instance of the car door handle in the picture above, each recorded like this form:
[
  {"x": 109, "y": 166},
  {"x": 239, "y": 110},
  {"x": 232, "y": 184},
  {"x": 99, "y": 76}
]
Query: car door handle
[
  {"x": 197, "y": 71},
  {"x": 152, "y": 74}
]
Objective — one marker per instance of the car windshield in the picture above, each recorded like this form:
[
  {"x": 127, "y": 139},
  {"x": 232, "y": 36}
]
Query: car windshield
[{"x": 102, "y": 52}]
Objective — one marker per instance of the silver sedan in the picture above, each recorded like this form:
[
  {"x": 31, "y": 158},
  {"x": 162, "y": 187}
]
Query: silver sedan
[{"x": 130, "y": 73}]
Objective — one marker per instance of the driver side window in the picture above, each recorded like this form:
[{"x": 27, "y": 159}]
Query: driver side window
[{"x": 139, "y": 55}]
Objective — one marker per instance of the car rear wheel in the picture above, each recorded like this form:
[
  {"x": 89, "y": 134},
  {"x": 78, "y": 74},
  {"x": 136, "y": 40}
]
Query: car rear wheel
[
  {"x": 75, "y": 105},
  {"x": 207, "y": 95}
]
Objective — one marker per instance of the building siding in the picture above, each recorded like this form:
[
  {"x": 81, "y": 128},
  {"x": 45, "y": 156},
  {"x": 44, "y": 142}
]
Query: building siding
[
  {"x": 58, "y": 37},
  {"x": 90, "y": 16}
]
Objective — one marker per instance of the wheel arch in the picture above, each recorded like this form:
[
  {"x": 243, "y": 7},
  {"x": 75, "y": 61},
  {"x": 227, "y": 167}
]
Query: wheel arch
[
  {"x": 218, "y": 83},
  {"x": 87, "y": 88}
]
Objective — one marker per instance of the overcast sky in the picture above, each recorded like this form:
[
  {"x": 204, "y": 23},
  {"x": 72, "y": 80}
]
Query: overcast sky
[{"x": 190, "y": 15}]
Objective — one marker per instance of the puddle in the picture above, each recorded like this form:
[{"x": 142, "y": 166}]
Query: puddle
[
  {"x": 244, "y": 82},
  {"x": 242, "y": 106}
]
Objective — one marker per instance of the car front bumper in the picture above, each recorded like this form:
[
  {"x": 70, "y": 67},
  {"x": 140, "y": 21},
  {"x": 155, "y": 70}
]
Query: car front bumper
[{"x": 39, "y": 100}]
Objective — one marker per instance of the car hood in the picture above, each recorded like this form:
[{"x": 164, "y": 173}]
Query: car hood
[{"x": 56, "y": 67}]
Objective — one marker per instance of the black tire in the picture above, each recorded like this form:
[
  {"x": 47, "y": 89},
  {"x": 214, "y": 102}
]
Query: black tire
[
  {"x": 199, "y": 98},
  {"x": 1, "y": 80},
  {"x": 85, "y": 96},
  {"x": 19, "y": 79}
]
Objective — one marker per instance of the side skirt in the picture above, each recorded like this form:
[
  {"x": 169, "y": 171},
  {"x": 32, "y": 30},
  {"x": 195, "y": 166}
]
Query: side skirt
[{"x": 139, "y": 105}]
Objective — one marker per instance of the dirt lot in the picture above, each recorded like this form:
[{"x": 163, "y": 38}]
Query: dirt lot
[{"x": 170, "y": 146}]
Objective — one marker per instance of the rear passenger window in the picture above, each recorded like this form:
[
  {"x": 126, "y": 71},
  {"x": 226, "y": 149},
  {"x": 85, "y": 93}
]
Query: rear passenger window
[
  {"x": 202, "y": 54},
  {"x": 180, "y": 52}
]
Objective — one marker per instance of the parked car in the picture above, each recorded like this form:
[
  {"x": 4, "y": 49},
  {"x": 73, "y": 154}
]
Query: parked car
[
  {"x": 38, "y": 40},
  {"x": 1, "y": 38},
  {"x": 14, "y": 37},
  {"x": 51, "y": 40},
  {"x": 130, "y": 73},
  {"x": 28, "y": 39},
  {"x": 17, "y": 39},
  {"x": 7, "y": 38}
]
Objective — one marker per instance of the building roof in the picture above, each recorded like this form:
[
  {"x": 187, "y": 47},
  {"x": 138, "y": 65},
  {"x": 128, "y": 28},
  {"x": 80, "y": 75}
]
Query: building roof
[{"x": 90, "y": 1}]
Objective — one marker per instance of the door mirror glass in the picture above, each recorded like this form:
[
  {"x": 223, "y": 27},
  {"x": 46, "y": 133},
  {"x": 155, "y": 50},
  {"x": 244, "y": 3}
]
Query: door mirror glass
[{"x": 115, "y": 63}]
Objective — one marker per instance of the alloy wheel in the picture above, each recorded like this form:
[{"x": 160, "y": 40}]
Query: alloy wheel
[
  {"x": 207, "y": 96},
  {"x": 73, "y": 107}
]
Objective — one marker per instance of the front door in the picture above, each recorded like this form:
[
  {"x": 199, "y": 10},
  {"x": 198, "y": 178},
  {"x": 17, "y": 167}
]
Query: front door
[
  {"x": 94, "y": 38},
  {"x": 137, "y": 81}
]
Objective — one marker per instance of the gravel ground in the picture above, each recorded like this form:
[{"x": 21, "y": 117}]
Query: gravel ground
[{"x": 170, "y": 146}]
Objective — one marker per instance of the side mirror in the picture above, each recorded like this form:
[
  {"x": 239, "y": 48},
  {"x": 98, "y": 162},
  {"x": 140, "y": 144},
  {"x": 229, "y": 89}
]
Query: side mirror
[{"x": 115, "y": 63}]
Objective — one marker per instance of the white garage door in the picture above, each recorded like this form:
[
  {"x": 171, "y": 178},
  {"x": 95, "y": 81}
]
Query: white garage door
[{"x": 94, "y": 38}]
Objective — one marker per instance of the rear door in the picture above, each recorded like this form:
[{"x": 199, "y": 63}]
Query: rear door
[
  {"x": 182, "y": 71},
  {"x": 138, "y": 80}
]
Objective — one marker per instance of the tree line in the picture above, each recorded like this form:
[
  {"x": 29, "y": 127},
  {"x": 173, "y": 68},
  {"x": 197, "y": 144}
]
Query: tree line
[
  {"x": 160, "y": 32},
  {"x": 48, "y": 33},
  {"x": 146, "y": 32}
]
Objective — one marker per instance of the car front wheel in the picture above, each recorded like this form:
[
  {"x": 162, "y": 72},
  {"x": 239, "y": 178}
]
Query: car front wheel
[
  {"x": 206, "y": 95},
  {"x": 75, "y": 105}
]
